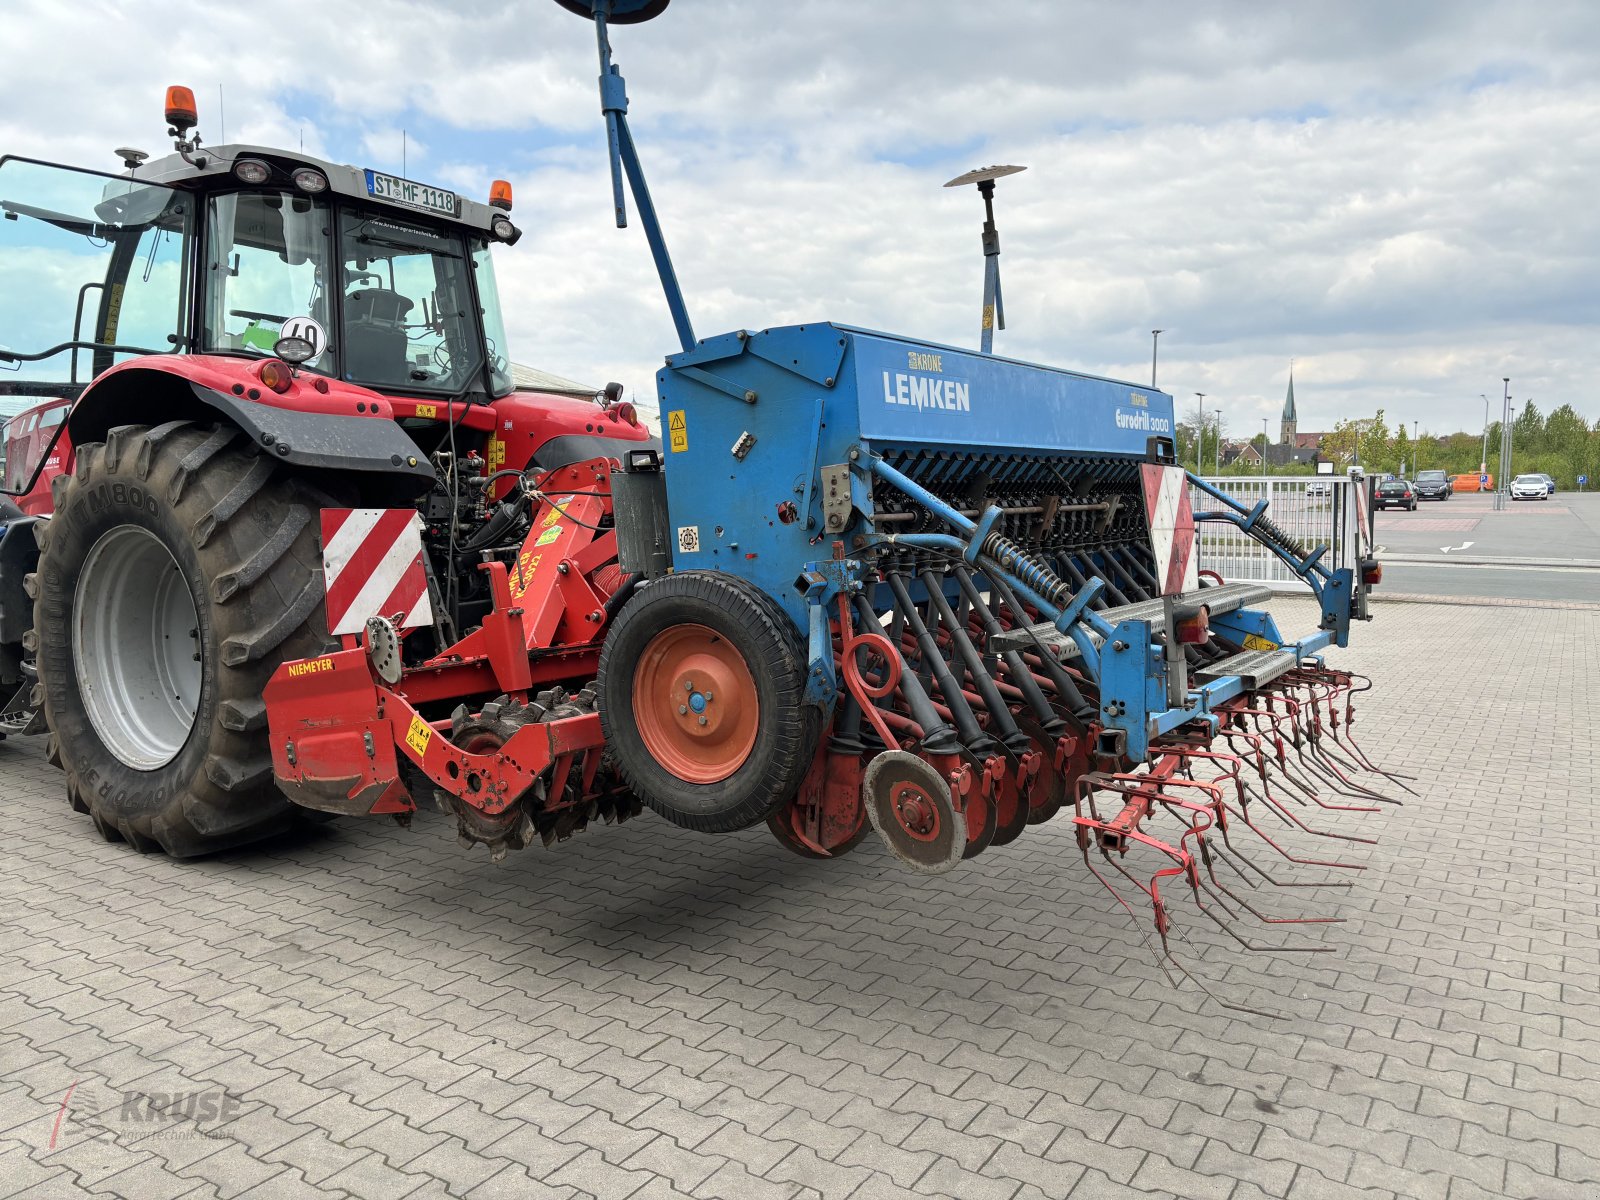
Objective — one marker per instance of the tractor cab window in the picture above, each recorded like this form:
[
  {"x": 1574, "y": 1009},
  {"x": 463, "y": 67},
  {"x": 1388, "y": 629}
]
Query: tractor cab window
[
  {"x": 410, "y": 321},
  {"x": 93, "y": 268},
  {"x": 267, "y": 262}
]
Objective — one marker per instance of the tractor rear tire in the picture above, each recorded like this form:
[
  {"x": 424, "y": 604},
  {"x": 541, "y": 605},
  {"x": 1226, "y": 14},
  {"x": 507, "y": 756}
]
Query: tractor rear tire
[
  {"x": 180, "y": 569},
  {"x": 702, "y": 696}
]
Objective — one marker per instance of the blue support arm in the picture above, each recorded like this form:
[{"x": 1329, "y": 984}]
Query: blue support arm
[{"x": 625, "y": 158}]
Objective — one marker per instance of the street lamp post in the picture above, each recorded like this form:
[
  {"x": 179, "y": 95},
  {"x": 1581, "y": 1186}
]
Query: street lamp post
[
  {"x": 1264, "y": 444},
  {"x": 1505, "y": 446},
  {"x": 1155, "y": 338},
  {"x": 1483, "y": 460},
  {"x": 1200, "y": 437},
  {"x": 1219, "y": 441},
  {"x": 1414, "y": 449}
]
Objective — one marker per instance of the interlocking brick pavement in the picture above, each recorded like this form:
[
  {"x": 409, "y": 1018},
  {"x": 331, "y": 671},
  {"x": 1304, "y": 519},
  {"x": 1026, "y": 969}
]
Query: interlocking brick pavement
[{"x": 648, "y": 1013}]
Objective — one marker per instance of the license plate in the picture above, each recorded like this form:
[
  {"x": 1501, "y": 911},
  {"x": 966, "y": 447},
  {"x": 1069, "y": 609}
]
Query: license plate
[{"x": 411, "y": 194}]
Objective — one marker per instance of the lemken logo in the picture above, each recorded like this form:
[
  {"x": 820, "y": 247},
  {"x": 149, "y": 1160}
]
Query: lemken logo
[{"x": 923, "y": 391}]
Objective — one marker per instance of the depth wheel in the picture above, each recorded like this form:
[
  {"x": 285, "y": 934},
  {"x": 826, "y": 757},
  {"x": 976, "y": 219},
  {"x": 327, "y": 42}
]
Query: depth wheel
[
  {"x": 702, "y": 700},
  {"x": 909, "y": 805}
]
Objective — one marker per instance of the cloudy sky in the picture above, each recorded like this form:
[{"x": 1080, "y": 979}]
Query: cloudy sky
[{"x": 1401, "y": 196}]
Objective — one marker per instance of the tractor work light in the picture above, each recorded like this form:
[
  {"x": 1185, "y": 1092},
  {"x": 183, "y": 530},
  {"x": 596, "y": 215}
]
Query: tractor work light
[
  {"x": 504, "y": 230},
  {"x": 292, "y": 350},
  {"x": 308, "y": 179},
  {"x": 251, "y": 170},
  {"x": 181, "y": 112},
  {"x": 500, "y": 195}
]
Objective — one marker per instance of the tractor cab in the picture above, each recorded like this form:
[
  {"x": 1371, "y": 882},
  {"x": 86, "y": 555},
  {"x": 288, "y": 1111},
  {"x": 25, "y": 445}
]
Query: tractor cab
[{"x": 223, "y": 251}]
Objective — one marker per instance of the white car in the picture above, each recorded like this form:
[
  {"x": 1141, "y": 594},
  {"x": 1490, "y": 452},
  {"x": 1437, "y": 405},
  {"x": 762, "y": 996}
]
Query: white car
[
  {"x": 1529, "y": 487},
  {"x": 1322, "y": 488}
]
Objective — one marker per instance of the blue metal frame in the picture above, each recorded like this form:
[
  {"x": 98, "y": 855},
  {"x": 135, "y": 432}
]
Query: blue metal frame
[{"x": 624, "y": 156}]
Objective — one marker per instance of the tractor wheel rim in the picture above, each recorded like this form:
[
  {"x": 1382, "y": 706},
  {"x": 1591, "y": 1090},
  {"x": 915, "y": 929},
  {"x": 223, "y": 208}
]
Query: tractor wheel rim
[
  {"x": 695, "y": 704},
  {"x": 137, "y": 647}
]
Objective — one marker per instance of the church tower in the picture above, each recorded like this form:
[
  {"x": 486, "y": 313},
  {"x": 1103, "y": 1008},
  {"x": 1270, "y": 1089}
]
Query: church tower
[{"x": 1287, "y": 428}]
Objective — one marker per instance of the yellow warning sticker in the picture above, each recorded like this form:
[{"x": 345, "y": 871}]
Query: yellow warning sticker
[
  {"x": 419, "y": 735},
  {"x": 497, "y": 454},
  {"x": 1254, "y": 642},
  {"x": 427, "y": 410},
  {"x": 677, "y": 431},
  {"x": 551, "y": 517},
  {"x": 549, "y": 535},
  {"x": 527, "y": 564}
]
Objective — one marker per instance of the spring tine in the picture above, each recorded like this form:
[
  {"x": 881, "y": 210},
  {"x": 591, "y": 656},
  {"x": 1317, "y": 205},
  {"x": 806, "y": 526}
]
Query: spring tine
[
  {"x": 1330, "y": 769},
  {"x": 1233, "y": 852},
  {"x": 1351, "y": 685},
  {"x": 1161, "y": 957},
  {"x": 1304, "y": 862},
  {"x": 1250, "y": 908},
  {"x": 1296, "y": 821},
  {"x": 1228, "y": 929}
]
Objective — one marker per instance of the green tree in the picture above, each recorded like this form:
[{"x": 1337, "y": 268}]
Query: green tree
[
  {"x": 1377, "y": 443},
  {"x": 1340, "y": 444},
  {"x": 1527, "y": 430},
  {"x": 1401, "y": 451}
]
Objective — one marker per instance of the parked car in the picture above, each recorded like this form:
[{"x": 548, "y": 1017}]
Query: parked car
[
  {"x": 1549, "y": 481},
  {"x": 1434, "y": 485},
  {"x": 1397, "y": 493},
  {"x": 1468, "y": 482},
  {"x": 1319, "y": 489},
  {"x": 1529, "y": 487}
]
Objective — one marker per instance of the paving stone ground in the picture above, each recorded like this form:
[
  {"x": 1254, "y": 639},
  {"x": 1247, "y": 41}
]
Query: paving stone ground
[{"x": 648, "y": 1013}]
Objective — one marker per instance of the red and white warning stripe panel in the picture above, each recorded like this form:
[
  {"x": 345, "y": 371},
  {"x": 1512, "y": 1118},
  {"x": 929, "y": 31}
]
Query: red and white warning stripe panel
[
  {"x": 372, "y": 565},
  {"x": 1172, "y": 537}
]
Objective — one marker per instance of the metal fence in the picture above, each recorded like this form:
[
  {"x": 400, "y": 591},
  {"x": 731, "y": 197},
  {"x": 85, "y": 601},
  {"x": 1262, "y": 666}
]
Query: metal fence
[{"x": 1314, "y": 510}]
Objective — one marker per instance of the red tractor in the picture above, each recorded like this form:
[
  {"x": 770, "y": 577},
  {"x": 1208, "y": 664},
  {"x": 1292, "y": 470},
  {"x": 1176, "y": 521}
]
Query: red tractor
[{"x": 254, "y": 342}]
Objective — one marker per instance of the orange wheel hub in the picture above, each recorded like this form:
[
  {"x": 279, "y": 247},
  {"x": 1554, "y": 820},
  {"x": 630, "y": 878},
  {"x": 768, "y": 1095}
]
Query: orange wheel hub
[{"x": 695, "y": 704}]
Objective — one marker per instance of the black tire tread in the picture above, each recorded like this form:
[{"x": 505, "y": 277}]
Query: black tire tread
[
  {"x": 211, "y": 478},
  {"x": 795, "y": 740}
]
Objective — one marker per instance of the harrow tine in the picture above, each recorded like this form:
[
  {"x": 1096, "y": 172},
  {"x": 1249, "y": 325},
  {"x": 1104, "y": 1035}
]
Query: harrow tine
[
  {"x": 1349, "y": 685},
  {"x": 1304, "y": 862},
  {"x": 1306, "y": 751},
  {"x": 1206, "y": 853},
  {"x": 1330, "y": 770},
  {"x": 1282, "y": 763},
  {"x": 1232, "y": 851},
  {"x": 1288, "y": 814},
  {"x": 1164, "y": 925}
]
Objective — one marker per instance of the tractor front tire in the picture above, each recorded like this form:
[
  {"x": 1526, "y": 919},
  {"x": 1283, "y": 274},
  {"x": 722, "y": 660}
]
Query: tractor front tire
[
  {"x": 702, "y": 701},
  {"x": 180, "y": 569}
]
